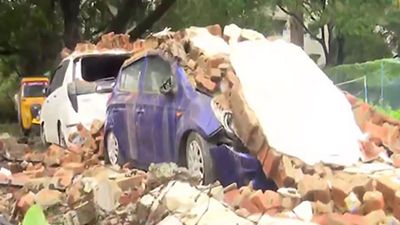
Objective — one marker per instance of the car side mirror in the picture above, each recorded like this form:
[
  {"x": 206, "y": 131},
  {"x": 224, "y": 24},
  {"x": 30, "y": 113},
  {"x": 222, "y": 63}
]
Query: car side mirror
[{"x": 168, "y": 87}]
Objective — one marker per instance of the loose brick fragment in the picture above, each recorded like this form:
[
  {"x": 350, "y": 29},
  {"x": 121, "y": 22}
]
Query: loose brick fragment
[
  {"x": 205, "y": 83},
  {"x": 388, "y": 187},
  {"x": 76, "y": 168},
  {"x": 26, "y": 202},
  {"x": 396, "y": 205},
  {"x": 375, "y": 218},
  {"x": 372, "y": 200},
  {"x": 215, "y": 30},
  {"x": 63, "y": 177},
  {"x": 313, "y": 188},
  {"x": 269, "y": 159},
  {"x": 340, "y": 190},
  {"x": 322, "y": 208},
  {"x": 127, "y": 183},
  {"x": 396, "y": 160},
  {"x": 286, "y": 174},
  {"x": 361, "y": 184},
  {"x": 54, "y": 155},
  {"x": 233, "y": 198}
]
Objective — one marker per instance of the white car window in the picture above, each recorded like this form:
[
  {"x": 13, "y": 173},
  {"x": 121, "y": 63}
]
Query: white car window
[{"x": 130, "y": 77}]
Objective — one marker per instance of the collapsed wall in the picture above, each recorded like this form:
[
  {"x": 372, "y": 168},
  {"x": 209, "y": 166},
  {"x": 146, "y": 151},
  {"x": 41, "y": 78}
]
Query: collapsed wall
[{"x": 278, "y": 96}]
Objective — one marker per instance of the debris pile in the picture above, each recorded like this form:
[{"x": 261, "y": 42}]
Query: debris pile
[{"x": 75, "y": 183}]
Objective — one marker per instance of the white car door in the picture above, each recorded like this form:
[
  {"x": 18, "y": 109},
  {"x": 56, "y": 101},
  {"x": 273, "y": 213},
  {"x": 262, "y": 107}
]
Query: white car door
[{"x": 50, "y": 112}]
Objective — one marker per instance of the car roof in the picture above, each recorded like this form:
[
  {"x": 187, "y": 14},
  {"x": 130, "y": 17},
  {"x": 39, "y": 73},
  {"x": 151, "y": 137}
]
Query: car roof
[
  {"x": 79, "y": 54},
  {"x": 34, "y": 79},
  {"x": 139, "y": 55}
]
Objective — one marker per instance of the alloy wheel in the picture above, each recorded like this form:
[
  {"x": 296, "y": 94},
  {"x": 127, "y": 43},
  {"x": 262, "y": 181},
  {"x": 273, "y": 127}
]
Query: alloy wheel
[
  {"x": 194, "y": 157},
  {"x": 112, "y": 148}
]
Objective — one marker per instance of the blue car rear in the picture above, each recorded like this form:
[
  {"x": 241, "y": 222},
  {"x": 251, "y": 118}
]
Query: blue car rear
[{"x": 155, "y": 115}]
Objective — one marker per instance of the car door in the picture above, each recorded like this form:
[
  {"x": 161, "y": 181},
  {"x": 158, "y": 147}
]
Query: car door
[
  {"x": 122, "y": 109},
  {"x": 156, "y": 120},
  {"x": 50, "y": 108}
]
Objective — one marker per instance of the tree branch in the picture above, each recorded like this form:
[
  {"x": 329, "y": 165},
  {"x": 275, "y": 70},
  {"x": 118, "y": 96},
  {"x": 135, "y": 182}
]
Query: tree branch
[
  {"x": 127, "y": 10},
  {"x": 300, "y": 22},
  {"x": 149, "y": 21}
]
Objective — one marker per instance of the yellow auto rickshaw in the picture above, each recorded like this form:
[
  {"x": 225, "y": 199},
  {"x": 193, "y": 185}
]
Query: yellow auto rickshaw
[{"x": 29, "y": 100}]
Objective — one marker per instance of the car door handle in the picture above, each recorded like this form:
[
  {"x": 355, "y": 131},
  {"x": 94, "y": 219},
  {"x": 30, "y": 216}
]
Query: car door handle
[{"x": 139, "y": 111}]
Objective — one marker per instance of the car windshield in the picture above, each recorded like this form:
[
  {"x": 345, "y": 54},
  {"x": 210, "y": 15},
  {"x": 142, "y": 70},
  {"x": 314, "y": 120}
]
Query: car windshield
[{"x": 34, "y": 89}]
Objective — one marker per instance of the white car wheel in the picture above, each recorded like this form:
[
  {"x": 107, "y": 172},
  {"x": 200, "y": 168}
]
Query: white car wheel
[
  {"x": 112, "y": 148},
  {"x": 194, "y": 157}
]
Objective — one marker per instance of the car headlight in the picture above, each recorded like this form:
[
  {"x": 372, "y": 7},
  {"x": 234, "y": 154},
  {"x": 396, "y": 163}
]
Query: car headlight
[{"x": 225, "y": 117}]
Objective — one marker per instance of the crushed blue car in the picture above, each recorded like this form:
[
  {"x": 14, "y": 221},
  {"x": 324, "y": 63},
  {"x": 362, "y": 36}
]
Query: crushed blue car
[{"x": 155, "y": 115}]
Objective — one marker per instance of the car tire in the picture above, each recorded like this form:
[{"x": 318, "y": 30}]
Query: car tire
[
  {"x": 198, "y": 157},
  {"x": 61, "y": 136},
  {"x": 111, "y": 153}
]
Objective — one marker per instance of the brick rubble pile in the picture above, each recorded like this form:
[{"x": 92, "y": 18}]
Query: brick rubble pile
[{"x": 78, "y": 185}]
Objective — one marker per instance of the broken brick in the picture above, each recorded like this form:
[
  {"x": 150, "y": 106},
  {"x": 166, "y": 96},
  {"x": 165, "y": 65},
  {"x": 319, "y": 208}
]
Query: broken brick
[
  {"x": 388, "y": 187},
  {"x": 25, "y": 202},
  {"x": 215, "y": 30},
  {"x": 53, "y": 155},
  {"x": 396, "y": 205},
  {"x": 64, "y": 177},
  {"x": 322, "y": 208},
  {"x": 269, "y": 159},
  {"x": 340, "y": 190},
  {"x": 205, "y": 82},
  {"x": 233, "y": 198},
  {"x": 373, "y": 200},
  {"x": 286, "y": 174},
  {"x": 127, "y": 183},
  {"x": 76, "y": 168},
  {"x": 314, "y": 189},
  {"x": 376, "y": 217}
]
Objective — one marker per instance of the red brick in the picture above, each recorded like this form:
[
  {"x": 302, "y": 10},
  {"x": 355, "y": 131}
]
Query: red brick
[
  {"x": 396, "y": 205},
  {"x": 321, "y": 208},
  {"x": 64, "y": 177},
  {"x": 376, "y": 217},
  {"x": 127, "y": 183},
  {"x": 215, "y": 75},
  {"x": 249, "y": 205},
  {"x": 215, "y": 30},
  {"x": 233, "y": 198},
  {"x": 259, "y": 199},
  {"x": 34, "y": 171},
  {"x": 354, "y": 219},
  {"x": 270, "y": 160},
  {"x": 205, "y": 82},
  {"x": 388, "y": 187},
  {"x": 396, "y": 160},
  {"x": 273, "y": 202},
  {"x": 372, "y": 200},
  {"x": 362, "y": 184},
  {"x": 71, "y": 157},
  {"x": 340, "y": 190},
  {"x": 26, "y": 202},
  {"x": 76, "y": 168},
  {"x": 74, "y": 193},
  {"x": 53, "y": 155},
  {"x": 286, "y": 174},
  {"x": 313, "y": 188},
  {"x": 371, "y": 151}
]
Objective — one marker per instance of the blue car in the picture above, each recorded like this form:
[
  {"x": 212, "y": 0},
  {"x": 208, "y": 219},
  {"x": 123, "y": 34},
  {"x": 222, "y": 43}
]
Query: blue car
[{"x": 155, "y": 115}]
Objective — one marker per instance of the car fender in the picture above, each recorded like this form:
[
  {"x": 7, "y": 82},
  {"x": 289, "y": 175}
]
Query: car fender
[{"x": 199, "y": 118}]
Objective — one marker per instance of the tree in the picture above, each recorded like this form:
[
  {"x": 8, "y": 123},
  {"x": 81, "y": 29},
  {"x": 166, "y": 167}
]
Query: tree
[{"x": 329, "y": 22}]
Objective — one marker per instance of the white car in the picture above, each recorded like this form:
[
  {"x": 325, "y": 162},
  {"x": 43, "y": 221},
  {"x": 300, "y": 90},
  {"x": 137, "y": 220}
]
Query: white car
[{"x": 78, "y": 93}]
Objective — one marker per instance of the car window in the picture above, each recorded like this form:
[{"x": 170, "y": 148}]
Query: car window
[
  {"x": 130, "y": 77},
  {"x": 58, "y": 76},
  {"x": 157, "y": 72}
]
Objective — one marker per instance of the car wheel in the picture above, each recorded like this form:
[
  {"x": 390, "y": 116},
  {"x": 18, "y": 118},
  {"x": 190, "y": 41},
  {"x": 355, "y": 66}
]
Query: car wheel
[
  {"x": 112, "y": 149},
  {"x": 25, "y": 132},
  {"x": 198, "y": 158},
  {"x": 61, "y": 136}
]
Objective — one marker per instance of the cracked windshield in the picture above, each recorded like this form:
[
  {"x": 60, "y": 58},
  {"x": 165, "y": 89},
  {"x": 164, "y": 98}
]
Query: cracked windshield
[{"x": 199, "y": 112}]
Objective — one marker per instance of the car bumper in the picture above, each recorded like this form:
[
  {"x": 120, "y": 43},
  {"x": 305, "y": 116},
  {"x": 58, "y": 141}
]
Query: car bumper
[{"x": 240, "y": 168}]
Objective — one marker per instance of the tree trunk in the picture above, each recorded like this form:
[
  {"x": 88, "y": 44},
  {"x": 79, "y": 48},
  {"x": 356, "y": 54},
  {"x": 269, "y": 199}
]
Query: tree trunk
[
  {"x": 340, "y": 50},
  {"x": 72, "y": 25},
  {"x": 296, "y": 30},
  {"x": 151, "y": 19}
]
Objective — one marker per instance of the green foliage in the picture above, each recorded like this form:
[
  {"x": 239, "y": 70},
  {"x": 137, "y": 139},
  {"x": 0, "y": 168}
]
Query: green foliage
[
  {"x": 390, "y": 112},
  {"x": 8, "y": 87},
  {"x": 249, "y": 14},
  {"x": 372, "y": 69}
]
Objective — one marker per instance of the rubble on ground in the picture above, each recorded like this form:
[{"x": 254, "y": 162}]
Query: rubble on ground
[{"x": 85, "y": 191}]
